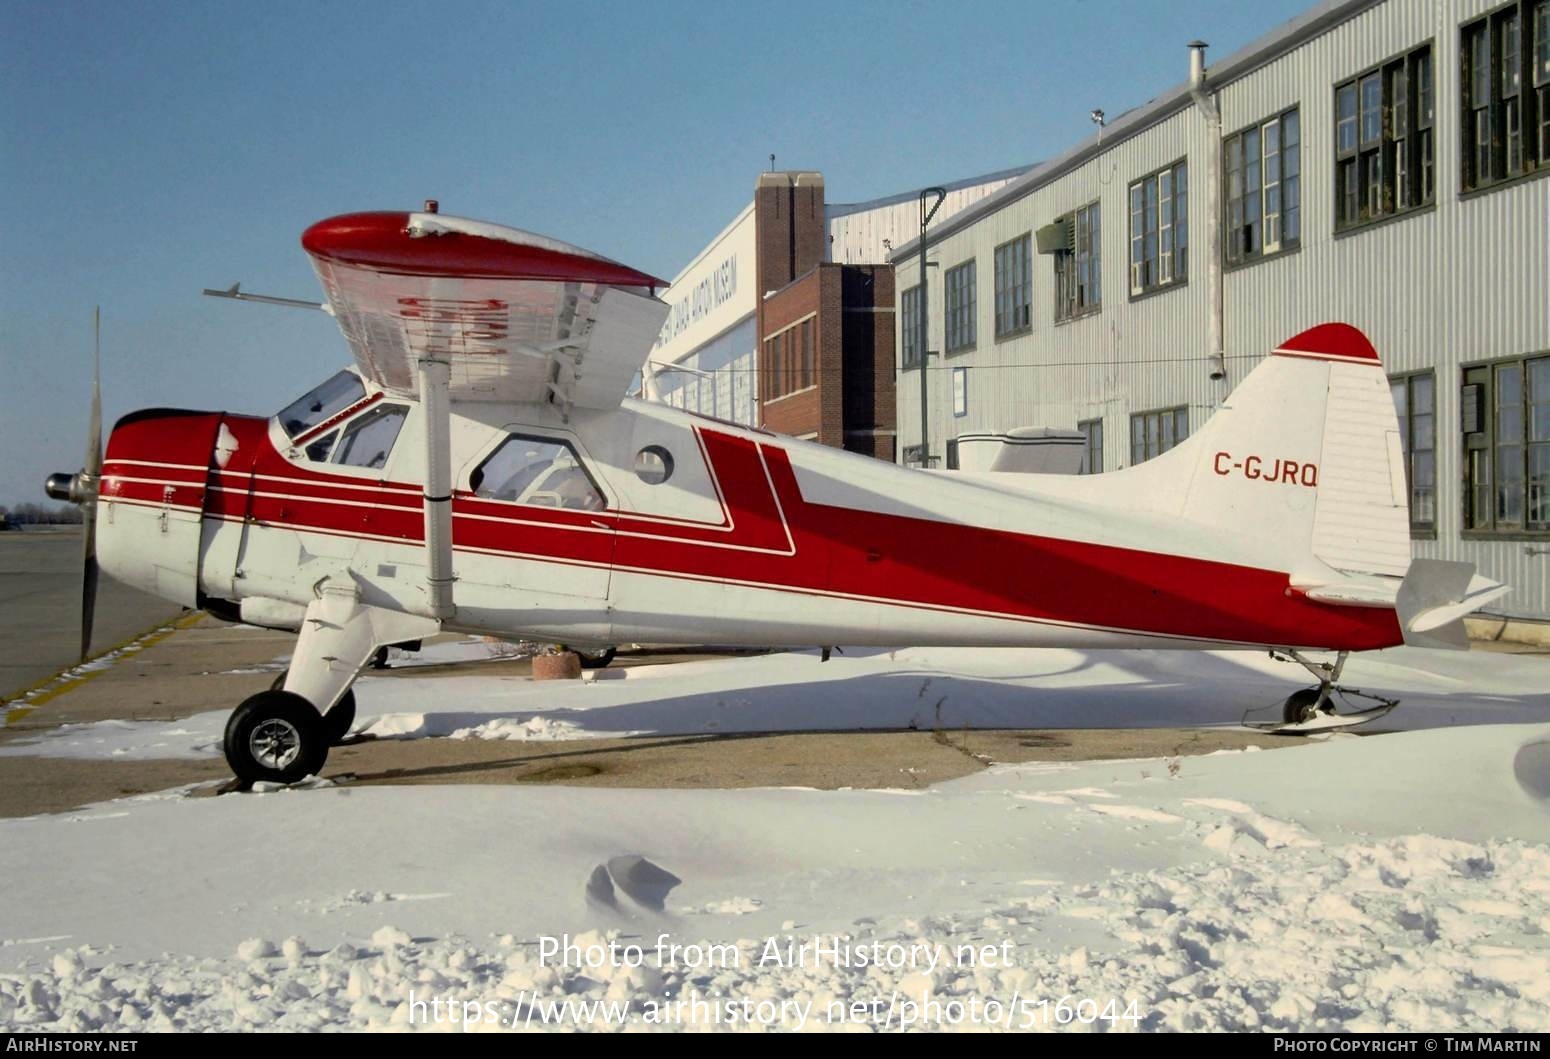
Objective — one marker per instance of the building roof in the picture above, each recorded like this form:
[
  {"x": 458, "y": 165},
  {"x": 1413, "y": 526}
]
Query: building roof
[
  {"x": 844, "y": 209},
  {"x": 1133, "y": 122}
]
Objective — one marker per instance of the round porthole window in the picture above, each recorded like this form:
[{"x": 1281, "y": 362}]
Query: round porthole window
[{"x": 653, "y": 465}]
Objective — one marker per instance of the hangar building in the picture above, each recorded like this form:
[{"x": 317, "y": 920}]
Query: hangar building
[
  {"x": 1372, "y": 161},
  {"x": 785, "y": 320}
]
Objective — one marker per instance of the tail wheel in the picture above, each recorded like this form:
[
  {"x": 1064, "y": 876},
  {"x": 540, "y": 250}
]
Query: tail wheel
[
  {"x": 337, "y": 721},
  {"x": 276, "y": 737},
  {"x": 1302, "y": 706},
  {"x": 597, "y": 659}
]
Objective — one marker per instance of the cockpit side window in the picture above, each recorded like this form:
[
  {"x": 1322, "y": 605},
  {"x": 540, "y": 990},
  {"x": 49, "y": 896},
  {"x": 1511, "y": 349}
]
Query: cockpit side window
[
  {"x": 319, "y": 449},
  {"x": 540, "y": 471},
  {"x": 325, "y": 401},
  {"x": 369, "y": 438}
]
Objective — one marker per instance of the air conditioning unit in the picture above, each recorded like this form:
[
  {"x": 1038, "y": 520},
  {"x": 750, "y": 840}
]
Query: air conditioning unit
[{"x": 1059, "y": 236}]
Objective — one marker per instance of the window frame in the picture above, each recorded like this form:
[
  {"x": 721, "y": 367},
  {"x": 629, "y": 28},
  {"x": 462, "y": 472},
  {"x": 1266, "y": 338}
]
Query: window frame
[
  {"x": 1009, "y": 291},
  {"x": 1070, "y": 302},
  {"x": 1174, "y": 413},
  {"x": 327, "y": 417},
  {"x": 1516, "y": 106},
  {"x": 1489, "y": 371},
  {"x": 1421, "y": 530},
  {"x": 790, "y": 359},
  {"x": 347, "y": 428},
  {"x": 1287, "y": 185},
  {"x": 505, "y": 437},
  {"x": 909, "y": 333},
  {"x": 1153, "y": 229},
  {"x": 1092, "y": 442},
  {"x": 1366, "y": 190},
  {"x": 960, "y": 301}
]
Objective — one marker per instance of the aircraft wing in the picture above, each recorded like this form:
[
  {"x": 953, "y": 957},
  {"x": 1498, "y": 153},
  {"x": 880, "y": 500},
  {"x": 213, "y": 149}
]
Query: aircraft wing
[{"x": 519, "y": 317}]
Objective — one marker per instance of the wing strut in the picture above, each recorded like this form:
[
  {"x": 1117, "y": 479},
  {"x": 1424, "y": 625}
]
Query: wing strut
[{"x": 435, "y": 376}]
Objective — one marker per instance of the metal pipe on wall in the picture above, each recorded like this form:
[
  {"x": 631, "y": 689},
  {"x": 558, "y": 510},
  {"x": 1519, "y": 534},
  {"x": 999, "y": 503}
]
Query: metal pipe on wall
[
  {"x": 1207, "y": 104},
  {"x": 925, "y": 352}
]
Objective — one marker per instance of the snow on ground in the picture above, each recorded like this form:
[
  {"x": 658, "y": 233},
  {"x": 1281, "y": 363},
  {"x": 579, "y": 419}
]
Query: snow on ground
[
  {"x": 1400, "y": 882},
  {"x": 918, "y": 688}
]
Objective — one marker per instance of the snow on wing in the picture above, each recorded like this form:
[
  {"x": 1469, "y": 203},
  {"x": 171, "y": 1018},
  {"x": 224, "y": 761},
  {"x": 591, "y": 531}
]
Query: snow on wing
[{"x": 520, "y": 317}]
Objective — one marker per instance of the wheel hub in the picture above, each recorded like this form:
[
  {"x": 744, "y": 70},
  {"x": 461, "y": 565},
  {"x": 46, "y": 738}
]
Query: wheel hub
[{"x": 274, "y": 744}]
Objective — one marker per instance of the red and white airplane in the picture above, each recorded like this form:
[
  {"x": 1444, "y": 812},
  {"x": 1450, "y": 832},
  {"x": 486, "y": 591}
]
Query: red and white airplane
[{"x": 480, "y": 469}]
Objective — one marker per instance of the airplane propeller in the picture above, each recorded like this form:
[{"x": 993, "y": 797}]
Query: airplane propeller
[{"x": 81, "y": 489}]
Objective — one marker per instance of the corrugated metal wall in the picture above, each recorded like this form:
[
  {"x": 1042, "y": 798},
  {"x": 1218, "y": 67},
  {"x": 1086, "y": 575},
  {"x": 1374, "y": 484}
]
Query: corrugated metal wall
[
  {"x": 857, "y": 237},
  {"x": 1465, "y": 281}
]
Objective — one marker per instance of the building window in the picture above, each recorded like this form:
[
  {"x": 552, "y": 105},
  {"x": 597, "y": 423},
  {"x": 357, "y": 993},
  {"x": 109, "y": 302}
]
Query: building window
[
  {"x": 1014, "y": 286},
  {"x": 793, "y": 361},
  {"x": 1383, "y": 140},
  {"x": 1092, "y": 446},
  {"x": 1416, "y": 404},
  {"x": 1506, "y": 428},
  {"x": 1078, "y": 272},
  {"x": 1263, "y": 168},
  {"x": 771, "y": 372},
  {"x": 1154, "y": 433},
  {"x": 1542, "y": 80},
  {"x": 1506, "y": 122},
  {"x": 909, "y": 334},
  {"x": 788, "y": 361},
  {"x": 808, "y": 376},
  {"x": 960, "y": 392},
  {"x": 1159, "y": 230},
  {"x": 960, "y": 307}
]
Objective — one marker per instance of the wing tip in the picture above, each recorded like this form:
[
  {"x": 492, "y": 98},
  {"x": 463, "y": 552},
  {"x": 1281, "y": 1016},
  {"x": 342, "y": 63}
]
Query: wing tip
[{"x": 381, "y": 241}]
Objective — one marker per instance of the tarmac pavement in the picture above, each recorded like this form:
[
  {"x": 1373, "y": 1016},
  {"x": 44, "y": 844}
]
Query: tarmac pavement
[{"x": 187, "y": 671}]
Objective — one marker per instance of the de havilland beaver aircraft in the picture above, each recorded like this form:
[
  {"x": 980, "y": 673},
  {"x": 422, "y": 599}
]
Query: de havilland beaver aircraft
[{"x": 480, "y": 469}]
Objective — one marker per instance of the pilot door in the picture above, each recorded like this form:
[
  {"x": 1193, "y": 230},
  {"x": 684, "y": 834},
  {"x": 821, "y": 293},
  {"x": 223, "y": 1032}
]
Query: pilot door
[{"x": 535, "y": 535}]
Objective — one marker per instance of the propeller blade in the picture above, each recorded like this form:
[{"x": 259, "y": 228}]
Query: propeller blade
[
  {"x": 89, "y": 502},
  {"x": 88, "y": 583}
]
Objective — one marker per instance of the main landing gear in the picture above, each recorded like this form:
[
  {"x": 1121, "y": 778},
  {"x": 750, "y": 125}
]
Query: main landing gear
[
  {"x": 1313, "y": 709},
  {"x": 283, "y": 735},
  {"x": 597, "y": 659}
]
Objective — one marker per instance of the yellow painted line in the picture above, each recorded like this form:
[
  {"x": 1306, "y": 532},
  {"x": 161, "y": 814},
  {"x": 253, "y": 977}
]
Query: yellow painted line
[{"x": 67, "y": 680}]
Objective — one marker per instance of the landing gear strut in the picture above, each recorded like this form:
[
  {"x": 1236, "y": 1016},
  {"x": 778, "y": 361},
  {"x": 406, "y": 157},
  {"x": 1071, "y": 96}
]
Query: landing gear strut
[
  {"x": 283, "y": 735},
  {"x": 1313, "y": 709},
  {"x": 340, "y": 716},
  {"x": 1306, "y": 704}
]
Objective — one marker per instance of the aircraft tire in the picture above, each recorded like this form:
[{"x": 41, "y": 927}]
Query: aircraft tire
[
  {"x": 597, "y": 659},
  {"x": 275, "y": 737},
  {"x": 1299, "y": 705},
  {"x": 337, "y": 721}
]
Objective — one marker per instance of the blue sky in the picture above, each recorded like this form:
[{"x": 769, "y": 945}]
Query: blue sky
[{"x": 148, "y": 151}]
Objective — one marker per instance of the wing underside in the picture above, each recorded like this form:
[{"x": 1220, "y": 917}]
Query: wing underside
[{"x": 519, "y": 318}]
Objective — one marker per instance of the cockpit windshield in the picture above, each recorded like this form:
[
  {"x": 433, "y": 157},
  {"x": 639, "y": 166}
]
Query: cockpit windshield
[{"x": 325, "y": 401}]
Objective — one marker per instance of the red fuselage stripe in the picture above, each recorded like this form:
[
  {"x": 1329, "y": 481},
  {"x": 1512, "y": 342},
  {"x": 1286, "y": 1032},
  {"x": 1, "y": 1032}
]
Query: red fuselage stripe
[{"x": 774, "y": 538}]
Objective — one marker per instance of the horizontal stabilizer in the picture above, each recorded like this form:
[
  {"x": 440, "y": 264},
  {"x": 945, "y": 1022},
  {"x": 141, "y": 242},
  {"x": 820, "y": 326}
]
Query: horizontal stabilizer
[{"x": 1435, "y": 597}]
